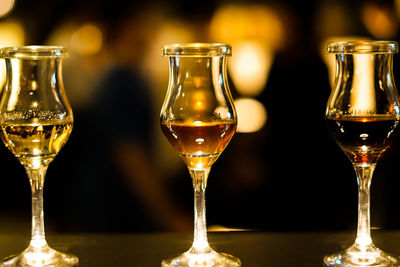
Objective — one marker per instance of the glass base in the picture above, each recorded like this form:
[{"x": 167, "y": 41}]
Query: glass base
[
  {"x": 209, "y": 259},
  {"x": 45, "y": 256},
  {"x": 362, "y": 256}
]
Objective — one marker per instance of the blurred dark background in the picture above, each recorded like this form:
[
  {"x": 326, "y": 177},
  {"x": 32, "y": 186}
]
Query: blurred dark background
[{"x": 281, "y": 172}]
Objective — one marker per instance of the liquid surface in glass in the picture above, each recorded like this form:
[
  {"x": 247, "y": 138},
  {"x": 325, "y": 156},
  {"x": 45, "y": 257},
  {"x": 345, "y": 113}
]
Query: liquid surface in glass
[
  {"x": 35, "y": 140},
  {"x": 364, "y": 138},
  {"x": 199, "y": 144}
]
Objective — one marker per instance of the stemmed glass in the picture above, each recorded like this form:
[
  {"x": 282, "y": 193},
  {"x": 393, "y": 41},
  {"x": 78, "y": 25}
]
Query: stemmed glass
[
  {"x": 199, "y": 119},
  {"x": 363, "y": 114},
  {"x": 35, "y": 123}
]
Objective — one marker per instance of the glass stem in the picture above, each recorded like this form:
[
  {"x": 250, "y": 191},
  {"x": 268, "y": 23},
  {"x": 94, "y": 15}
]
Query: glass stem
[
  {"x": 199, "y": 179},
  {"x": 364, "y": 174},
  {"x": 36, "y": 179}
]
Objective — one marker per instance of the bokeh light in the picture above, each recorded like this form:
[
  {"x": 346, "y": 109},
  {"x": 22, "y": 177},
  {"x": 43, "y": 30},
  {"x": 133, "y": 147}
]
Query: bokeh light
[
  {"x": 84, "y": 67},
  {"x": 87, "y": 40},
  {"x": 172, "y": 31},
  {"x": 249, "y": 68},
  {"x": 6, "y": 6},
  {"x": 381, "y": 21},
  {"x": 252, "y": 115},
  {"x": 255, "y": 32},
  {"x": 11, "y": 34},
  {"x": 235, "y": 22}
]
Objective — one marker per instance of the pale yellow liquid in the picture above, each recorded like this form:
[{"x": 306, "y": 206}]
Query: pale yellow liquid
[{"x": 35, "y": 140}]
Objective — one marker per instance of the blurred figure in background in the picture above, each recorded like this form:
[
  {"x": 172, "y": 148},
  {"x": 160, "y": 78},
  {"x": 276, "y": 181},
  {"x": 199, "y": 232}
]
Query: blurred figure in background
[{"x": 119, "y": 188}]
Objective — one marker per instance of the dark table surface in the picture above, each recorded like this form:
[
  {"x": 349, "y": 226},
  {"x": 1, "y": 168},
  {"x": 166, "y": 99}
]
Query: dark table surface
[{"x": 253, "y": 248}]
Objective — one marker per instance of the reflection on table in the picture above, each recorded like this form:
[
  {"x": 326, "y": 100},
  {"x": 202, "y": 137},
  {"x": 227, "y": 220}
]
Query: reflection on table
[{"x": 255, "y": 249}]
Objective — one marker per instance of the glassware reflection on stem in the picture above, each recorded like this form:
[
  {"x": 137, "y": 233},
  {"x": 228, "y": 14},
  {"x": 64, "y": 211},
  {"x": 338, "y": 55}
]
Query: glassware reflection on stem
[
  {"x": 363, "y": 115},
  {"x": 199, "y": 119},
  {"x": 35, "y": 123}
]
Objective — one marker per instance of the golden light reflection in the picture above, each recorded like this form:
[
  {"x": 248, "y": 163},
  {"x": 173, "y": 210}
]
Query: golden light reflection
[
  {"x": 87, "y": 40},
  {"x": 6, "y": 6},
  {"x": 329, "y": 59},
  {"x": 36, "y": 161},
  {"x": 250, "y": 66},
  {"x": 15, "y": 88},
  {"x": 252, "y": 115},
  {"x": 363, "y": 91},
  {"x": 364, "y": 257},
  {"x": 37, "y": 242},
  {"x": 203, "y": 259},
  {"x": 199, "y": 141},
  {"x": 199, "y": 100},
  {"x": 381, "y": 21},
  {"x": 220, "y": 228},
  {"x": 38, "y": 258},
  {"x": 223, "y": 113},
  {"x": 34, "y": 85},
  {"x": 200, "y": 242},
  {"x": 199, "y": 166}
]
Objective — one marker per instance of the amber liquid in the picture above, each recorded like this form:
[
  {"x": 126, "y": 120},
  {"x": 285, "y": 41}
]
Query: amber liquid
[
  {"x": 364, "y": 139},
  {"x": 35, "y": 140},
  {"x": 199, "y": 144}
]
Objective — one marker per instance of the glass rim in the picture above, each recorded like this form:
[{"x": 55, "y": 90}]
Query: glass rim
[
  {"x": 197, "y": 49},
  {"x": 362, "y": 47},
  {"x": 34, "y": 52}
]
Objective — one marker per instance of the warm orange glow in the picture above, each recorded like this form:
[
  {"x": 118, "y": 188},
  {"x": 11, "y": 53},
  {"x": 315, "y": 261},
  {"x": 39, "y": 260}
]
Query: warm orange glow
[
  {"x": 6, "y": 6},
  {"x": 199, "y": 100},
  {"x": 87, "y": 40},
  {"x": 252, "y": 115},
  {"x": 381, "y": 22}
]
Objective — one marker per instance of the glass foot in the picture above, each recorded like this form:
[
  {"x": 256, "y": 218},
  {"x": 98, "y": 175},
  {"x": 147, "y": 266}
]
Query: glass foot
[
  {"x": 362, "y": 256},
  {"x": 45, "y": 256},
  {"x": 209, "y": 259}
]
